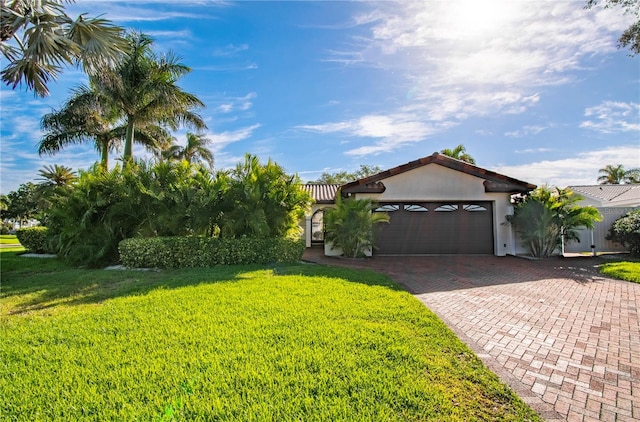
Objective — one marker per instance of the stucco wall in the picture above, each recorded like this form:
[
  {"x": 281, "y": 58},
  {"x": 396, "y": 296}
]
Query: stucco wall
[{"x": 431, "y": 182}]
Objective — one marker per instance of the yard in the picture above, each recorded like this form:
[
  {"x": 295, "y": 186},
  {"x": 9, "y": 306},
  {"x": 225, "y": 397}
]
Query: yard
[
  {"x": 623, "y": 270},
  {"x": 299, "y": 342}
]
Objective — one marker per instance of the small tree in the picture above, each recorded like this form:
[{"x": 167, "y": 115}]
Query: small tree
[
  {"x": 344, "y": 177},
  {"x": 350, "y": 225},
  {"x": 626, "y": 231},
  {"x": 547, "y": 217},
  {"x": 23, "y": 204}
]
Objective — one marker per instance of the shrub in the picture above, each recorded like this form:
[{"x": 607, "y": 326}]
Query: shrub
[
  {"x": 351, "y": 223},
  {"x": 626, "y": 231},
  {"x": 6, "y": 227},
  {"x": 182, "y": 252},
  {"x": 35, "y": 239}
]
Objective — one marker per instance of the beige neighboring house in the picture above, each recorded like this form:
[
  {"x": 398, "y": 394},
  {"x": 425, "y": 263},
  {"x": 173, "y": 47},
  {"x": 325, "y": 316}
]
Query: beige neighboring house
[
  {"x": 436, "y": 205},
  {"x": 613, "y": 201}
]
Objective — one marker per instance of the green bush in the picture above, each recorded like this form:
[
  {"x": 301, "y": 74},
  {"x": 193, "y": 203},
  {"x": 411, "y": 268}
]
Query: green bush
[
  {"x": 626, "y": 231},
  {"x": 35, "y": 239},
  {"x": 182, "y": 252}
]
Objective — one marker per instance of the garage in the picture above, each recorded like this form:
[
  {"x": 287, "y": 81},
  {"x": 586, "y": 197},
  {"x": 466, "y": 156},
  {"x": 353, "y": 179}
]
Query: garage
[{"x": 422, "y": 228}]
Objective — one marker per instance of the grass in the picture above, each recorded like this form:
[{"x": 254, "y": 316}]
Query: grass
[
  {"x": 629, "y": 271},
  {"x": 298, "y": 342},
  {"x": 9, "y": 239}
]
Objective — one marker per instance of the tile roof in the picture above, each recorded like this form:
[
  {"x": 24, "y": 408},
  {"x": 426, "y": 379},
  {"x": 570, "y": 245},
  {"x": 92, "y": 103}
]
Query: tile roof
[
  {"x": 322, "y": 193},
  {"x": 494, "y": 182},
  {"x": 609, "y": 193}
]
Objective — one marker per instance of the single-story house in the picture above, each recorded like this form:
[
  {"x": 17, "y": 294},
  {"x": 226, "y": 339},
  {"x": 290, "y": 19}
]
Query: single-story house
[
  {"x": 436, "y": 205},
  {"x": 613, "y": 201}
]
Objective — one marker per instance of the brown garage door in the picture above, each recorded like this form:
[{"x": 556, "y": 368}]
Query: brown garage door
[{"x": 436, "y": 228}]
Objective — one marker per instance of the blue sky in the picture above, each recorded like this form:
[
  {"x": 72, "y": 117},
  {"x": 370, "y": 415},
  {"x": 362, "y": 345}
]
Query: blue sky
[{"x": 535, "y": 90}]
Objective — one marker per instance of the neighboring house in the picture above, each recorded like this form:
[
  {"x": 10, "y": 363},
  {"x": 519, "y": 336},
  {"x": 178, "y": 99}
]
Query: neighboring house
[
  {"x": 613, "y": 201},
  {"x": 436, "y": 205}
]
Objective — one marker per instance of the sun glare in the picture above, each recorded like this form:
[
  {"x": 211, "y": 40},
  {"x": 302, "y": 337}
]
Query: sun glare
[{"x": 473, "y": 19}]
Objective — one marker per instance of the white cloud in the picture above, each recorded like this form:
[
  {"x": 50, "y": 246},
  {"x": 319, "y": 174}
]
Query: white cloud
[
  {"x": 182, "y": 35},
  {"x": 221, "y": 140},
  {"x": 612, "y": 117},
  {"x": 581, "y": 169},
  {"x": 390, "y": 131},
  {"x": 525, "y": 131},
  {"x": 227, "y": 68},
  {"x": 533, "y": 150},
  {"x": 231, "y": 104},
  {"x": 123, "y": 12},
  {"x": 230, "y": 50}
]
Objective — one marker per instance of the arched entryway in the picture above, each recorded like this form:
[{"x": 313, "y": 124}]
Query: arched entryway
[{"x": 317, "y": 227}]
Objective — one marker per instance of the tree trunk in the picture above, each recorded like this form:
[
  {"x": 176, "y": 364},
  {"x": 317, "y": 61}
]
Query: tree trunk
[
  {"x": 104, "y": 158},
  {"x": 128, "y": 142}
]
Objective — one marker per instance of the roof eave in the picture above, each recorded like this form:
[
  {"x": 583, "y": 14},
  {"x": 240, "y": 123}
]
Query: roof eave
[{"x": 494, "y": 182}]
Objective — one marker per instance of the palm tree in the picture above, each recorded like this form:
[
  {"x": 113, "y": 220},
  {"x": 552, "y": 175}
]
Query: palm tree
[
  {"x": 89, "y": 116},
  {"x": 83, "y": 117},
  {"x": 38, "y": 38},
  {"x": 548, "y": 218},
  {"x": 57, "y": 176},
  {"x": 350, "y": 225},
  {"x": 143, "y": 88},
  {"x": 632, "y": 176},
  {"x": 261, "y": 200},
  {"x": 194, "y": 151},
  {"x": 612, "y": 175},
  {"x": 459, "y": 153}
]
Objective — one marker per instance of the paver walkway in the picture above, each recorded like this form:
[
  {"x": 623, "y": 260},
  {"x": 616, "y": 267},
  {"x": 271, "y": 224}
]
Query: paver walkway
[{"x": 566, "y": 339}]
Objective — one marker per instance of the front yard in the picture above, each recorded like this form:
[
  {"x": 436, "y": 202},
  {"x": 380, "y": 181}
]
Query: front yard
[{"x": 299, "y": 342}]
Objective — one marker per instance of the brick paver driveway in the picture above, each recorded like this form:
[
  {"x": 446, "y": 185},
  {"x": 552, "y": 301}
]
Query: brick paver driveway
[{"x": 566, "y": 339}]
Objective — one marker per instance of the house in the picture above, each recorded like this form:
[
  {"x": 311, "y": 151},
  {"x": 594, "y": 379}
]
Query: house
[
  {"x": 613, "y": 201},
  {"x": 436, "y": 205}
]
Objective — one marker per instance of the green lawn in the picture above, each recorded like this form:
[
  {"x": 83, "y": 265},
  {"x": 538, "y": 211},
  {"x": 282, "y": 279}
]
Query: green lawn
[
  {"x": 625, "y": 270},
  {"x": 299, "y": 342},
  {"x": 8, "y": 239}
]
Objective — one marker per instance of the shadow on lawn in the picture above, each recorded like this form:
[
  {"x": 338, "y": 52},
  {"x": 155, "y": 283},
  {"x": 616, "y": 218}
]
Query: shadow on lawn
[{"x": 49, "y": 283}]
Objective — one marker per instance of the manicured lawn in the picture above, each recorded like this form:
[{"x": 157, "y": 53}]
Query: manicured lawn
[
  {"x": 299, "y": 342},
  {"x": 8, "y": 239},
  {"x": 626, "y": 270}
]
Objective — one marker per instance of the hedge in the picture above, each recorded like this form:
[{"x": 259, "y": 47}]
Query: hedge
[
  {"x": 34, "y": 239},
  {"x": 182, "y": 252},
  {"x": 626, "y": 231}
]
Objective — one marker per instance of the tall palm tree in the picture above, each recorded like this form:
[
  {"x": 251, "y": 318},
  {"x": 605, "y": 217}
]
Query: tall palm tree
[
  {"x": 611, "y": 175},
  {"x": 38, "y": 38},
  {"x": 196, "y": 149},
  {"x": 143, "y": 88},
  {"x": 83, "y": 117},
  {"x": 459, "y": 153},
  {"x": 89, "y": 116}
]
